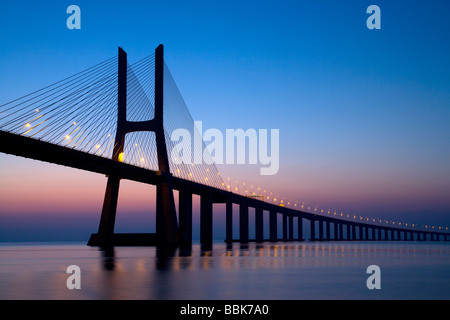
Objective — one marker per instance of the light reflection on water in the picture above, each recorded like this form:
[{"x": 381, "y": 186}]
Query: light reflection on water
[{"x": 330, "y": 270}]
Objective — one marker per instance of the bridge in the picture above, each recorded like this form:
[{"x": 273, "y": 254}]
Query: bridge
[{"x": 115, "y": 118}]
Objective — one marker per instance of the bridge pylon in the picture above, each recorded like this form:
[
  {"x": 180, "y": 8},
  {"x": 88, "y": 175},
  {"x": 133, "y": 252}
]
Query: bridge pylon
[{"x": 166, "y": 220}]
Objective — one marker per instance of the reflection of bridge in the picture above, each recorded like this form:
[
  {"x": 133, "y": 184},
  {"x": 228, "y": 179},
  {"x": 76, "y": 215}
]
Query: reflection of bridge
[{"x": 73, "y": 123}]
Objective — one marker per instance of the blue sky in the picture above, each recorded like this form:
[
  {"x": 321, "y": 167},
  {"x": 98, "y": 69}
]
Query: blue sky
[{"x": 363, "y": 114}]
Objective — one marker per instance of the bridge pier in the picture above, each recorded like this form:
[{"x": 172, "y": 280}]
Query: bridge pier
[
  {"x": 185, "y": 214},
  {"x": 273, "y": 225},
  {"x": 206, "y": 218},
  {"x": 291, "y": 228},
  {"x": 313, "y": 230},
  {"x": 328, "y": 230},
  {"x": 243, "y": 223},
  {"x": 259, "y": 225},
  {"x": 229, "y": 221},
  {"x": 300, "y": 228},
  {"x": 105, "y": 234}
]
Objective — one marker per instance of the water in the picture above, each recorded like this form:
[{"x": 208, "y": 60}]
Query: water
[{"x": 280, "y": 271}]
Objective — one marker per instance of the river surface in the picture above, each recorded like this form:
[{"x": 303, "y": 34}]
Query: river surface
[{"x": 269, "y": 271}]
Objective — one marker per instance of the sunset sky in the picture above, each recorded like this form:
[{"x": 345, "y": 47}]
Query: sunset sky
[{"x": 363, "y": 114}]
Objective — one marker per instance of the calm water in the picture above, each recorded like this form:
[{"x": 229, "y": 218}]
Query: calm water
[{"x": 268, "y": 271}]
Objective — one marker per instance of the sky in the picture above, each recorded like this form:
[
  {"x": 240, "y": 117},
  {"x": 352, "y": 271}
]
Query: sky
[{"x": 363, "y": 114}]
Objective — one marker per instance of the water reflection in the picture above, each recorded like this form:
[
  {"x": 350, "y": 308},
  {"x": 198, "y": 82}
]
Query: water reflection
[
  {"x": 108, "y": 258},
  {"x": 267, "y": 255},
  {"x": 226, "y": 271}
]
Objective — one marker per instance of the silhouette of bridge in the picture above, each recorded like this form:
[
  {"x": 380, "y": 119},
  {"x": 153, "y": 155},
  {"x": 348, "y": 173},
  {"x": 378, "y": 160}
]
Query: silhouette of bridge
[{"x": 114, "y": 119}]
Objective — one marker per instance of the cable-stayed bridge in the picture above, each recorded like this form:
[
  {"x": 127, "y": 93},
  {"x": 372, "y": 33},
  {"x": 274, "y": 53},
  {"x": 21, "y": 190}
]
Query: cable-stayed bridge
[{"x": 116, "y": 119}]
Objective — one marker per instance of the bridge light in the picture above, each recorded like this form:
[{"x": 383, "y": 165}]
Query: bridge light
[
  {"x": 120, "y": 157},
  {"x": 37, "y": 110},
  {"x": 142, "y": 160},
  {"x": 74, "y": 123},
  {"x": 27, "y": 125},
  {"x": 97, "y": 146},
  {"x": 67, "y": 137}
]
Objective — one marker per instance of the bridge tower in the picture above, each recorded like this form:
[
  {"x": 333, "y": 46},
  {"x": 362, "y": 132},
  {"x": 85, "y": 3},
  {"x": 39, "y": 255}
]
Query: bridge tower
[{"x": 166, "y": 219}]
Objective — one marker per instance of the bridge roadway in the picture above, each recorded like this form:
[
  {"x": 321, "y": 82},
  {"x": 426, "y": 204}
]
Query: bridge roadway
[{"x": 320, "y": 226}]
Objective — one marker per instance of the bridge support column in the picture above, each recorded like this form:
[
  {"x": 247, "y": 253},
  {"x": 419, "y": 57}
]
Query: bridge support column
[
  {"x": 259, "y": 227},
  {"x": 341, "y": 231},
  {"x": 166, "y": 223},
  {"x": 349, "y": 236},
  {"x": 243, "y": 223},
  {"x": 273, "y": 225},
  {"x": 229, "y": 221},
  {"x": 185, "y": 214},
  {"x": 206, "y": 218},
  {"x": 353, "y": 232},
  {"x": 313, "y": 230},
  {"x": 105, "y": 234},
  {"x": 328, "y": 230}
]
